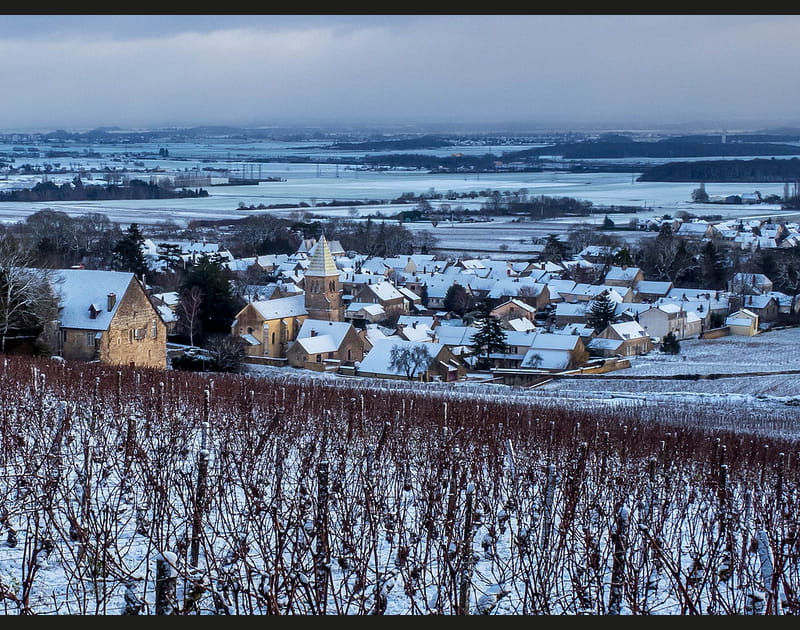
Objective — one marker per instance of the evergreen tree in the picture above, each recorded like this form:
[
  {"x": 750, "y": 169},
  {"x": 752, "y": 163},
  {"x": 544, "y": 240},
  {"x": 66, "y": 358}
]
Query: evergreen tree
[
  {"x": 712, "y": 270},
  {"x": 670, "y": 344},
  {"x": 601, "y": 312},
  {"x": 128, "y": 252},
  {"x": 622, "y": 258},
  {"x": 554, "y": 249},
  {"x": 490, "y": 338},
  {"x": 457, "y": 299},
  {"x": 219, "y": 304}
]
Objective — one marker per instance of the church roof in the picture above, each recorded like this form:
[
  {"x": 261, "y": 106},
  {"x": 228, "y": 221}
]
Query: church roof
[{"x": 321, "y": 263}]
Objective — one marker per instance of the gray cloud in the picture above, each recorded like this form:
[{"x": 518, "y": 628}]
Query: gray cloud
[{"x": 74, "y": 71}]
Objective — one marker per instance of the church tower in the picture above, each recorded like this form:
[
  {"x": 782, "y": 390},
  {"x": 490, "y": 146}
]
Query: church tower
[{"x": 322, "y": 287}]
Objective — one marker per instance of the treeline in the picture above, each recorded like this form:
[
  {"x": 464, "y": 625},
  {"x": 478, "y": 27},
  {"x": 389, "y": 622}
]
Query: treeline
[
  {"x": 78, "y": 191},
  {"x": 485, "y": 162},
  {"x": 598, "y": 150},
  {"x": 424, "y": 142},
  {"x": 755, "y": 170}
]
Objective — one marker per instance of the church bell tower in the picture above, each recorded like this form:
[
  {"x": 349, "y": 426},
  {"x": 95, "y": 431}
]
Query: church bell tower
[{"x": 323, "y": 290}]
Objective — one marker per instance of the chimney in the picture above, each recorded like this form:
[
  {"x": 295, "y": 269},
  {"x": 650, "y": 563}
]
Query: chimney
[
  {"x": 313, "y": 333},
  {"x": 112, "y": 300}
]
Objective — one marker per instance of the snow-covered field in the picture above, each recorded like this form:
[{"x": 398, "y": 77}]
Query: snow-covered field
[{"x": 732, "y": 357}]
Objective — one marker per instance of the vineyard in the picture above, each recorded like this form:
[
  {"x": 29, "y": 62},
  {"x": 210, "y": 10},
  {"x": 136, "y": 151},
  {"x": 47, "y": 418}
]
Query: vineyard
[{"x": 136, "y": 492}]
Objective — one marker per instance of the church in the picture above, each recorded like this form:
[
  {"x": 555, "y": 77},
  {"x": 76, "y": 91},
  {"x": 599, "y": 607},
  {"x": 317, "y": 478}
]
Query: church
[{"x": 271, "y": 328}]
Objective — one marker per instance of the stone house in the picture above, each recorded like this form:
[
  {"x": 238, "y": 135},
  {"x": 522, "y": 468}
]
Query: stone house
[
  {"x": 513, "y": 309},
  {"x": 385, "y": 294},
  {"x": 106, "y": 316},
  {"x": 661, "y": 319},
  {"x": 442, "y": 366},
  {"x": 742, "y": 322},
  {"x": 766, "y": 307},
  {"x": 623, "y": 276},
  {"x": 322, "y": 344},
  {"x": 624, "y": 339},
  {"x": 554, "y": 352}
]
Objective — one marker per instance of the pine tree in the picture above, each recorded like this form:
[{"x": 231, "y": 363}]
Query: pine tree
[
  {"x": 128, "y": 252},
  {"x": 601, "y": 312},
  {"x": 712, "y": 268},
  {"x": 554, "y": 249},
  {"x": 670, "y": 344},
  {"x": 490, "y": 338}
]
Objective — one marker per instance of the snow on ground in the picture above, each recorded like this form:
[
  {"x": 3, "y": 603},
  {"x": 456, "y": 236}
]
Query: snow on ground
[{"x": 655, "y": 379}]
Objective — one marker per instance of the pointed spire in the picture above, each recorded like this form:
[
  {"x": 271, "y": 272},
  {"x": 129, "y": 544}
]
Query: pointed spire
[{"x": 321, "y": 263}]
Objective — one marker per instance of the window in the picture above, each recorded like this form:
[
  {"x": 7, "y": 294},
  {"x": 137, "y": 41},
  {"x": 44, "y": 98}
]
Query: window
[
  {"x": 319, "y": 358},
  {"x": 139, "y": 333},
  {"x": 89, "y": 339},
  {"x": 154, "y": 329}
]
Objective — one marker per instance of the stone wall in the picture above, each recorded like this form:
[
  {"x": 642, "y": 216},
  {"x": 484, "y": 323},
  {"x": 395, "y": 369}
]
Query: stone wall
[{"x": 136, "y": 336}]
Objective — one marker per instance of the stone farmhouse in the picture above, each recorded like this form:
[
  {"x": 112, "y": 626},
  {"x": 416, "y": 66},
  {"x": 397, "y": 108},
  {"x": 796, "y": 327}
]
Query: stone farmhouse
[
  {"x": 324, "y": 345},
  {"x": 106, "y": 316}
]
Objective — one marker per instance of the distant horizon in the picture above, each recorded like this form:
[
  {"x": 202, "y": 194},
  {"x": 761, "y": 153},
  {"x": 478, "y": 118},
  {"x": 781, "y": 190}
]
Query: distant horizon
[
  {"x": 550, "y": 71},
  {"x": 522, "y": 127}
]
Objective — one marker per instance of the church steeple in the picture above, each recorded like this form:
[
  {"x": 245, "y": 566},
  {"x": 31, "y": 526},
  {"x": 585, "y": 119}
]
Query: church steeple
[{"x": 322, "y": 287}]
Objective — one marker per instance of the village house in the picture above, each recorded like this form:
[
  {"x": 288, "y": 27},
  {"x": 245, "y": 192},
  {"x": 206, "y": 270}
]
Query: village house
[
  {"x": 765, "y": 306},
  {"x": 651, "y": 290},
  {"x": 321, "y": 345},
  {"x": 621, "y": 339},
  {"x": 362, "y": 313},
  {"x": 659, "y": 320},
  {"x": 166, "y": 304},
  {"x": 394, "y": 303},
  {"x": 441, "y": 366},
  {"x": 750, "y": 284},
  {"x": 106, "y": 316},
  {"x": 554, "y": 352},
  {"x": 525, "y": 289},
  {"x": 513, "y": 309},
  {"x": 623, "y": 276},
  {"x": 742, "y": 322}
]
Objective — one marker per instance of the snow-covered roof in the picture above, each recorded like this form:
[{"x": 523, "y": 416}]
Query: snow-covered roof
[
  {"x": 629, "y": 330},
  {"x": 521, "y": 323},
  {"x": 455, "y": 335},
  {"x": 367, "y": 307},
  {"x": 317, "y": 327},
  {"x": 377, "y": 360},
  {"x": 546, "y": 359},
  {"x": 318, "y": 344},
  {"x": 653, "y": 287},
  {"x": 604, "y": 344},
  {"x": 571, "y": 309},
  {"x": 279, "y": 308},
  {"x": 622, "y": 274},
  {"x": 78, "y": 289},
  {"x": 385, "y": 291},
  {"x": 410, "y": 320}
]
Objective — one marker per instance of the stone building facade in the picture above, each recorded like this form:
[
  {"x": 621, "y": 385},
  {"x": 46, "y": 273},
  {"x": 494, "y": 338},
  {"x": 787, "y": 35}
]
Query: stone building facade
[{"x": 106, "y": 316}]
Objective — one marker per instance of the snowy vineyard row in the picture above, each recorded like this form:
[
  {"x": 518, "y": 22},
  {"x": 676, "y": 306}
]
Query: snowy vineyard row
[{"x": 128, "y": 491}]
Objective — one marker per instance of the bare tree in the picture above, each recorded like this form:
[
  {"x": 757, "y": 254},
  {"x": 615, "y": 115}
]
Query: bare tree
[
  {"x": 189, "y": 312},
  {"x": 409, "y": 359},
  {"x": 27, "y": 303}
]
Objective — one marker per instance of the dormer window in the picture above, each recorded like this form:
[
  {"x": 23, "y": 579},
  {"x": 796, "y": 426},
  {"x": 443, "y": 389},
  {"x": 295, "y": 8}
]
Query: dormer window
[{"x": 94, "y": 309}]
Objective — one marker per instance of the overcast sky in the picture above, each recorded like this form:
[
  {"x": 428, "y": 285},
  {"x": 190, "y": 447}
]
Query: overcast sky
[{"x": 78, "y": 72}]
